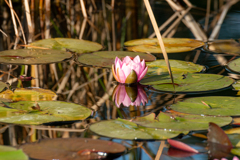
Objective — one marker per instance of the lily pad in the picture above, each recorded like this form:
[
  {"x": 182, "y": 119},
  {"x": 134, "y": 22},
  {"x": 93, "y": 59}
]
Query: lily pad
[
  {"x": 73, "y": 148},
  {"x": 10, "y": 153},
  {"x": 105, "y": 59},
  {"x": 33, "y": 56},
  {"x": 3, "y": 86},
  {"x": 159, "y": 67},
  {"x": 30, "y": 112},
  {"x": 28, "y": 94},
  {"x": 190, "y": 83},
  {"x": 74, "y": 45},
  {"x": 234, "y": 66},
  {"x": 180, "y": 122},
  {"x": 226, "y": 46},
  {"x": 124, "y": 129},
  {"x": 212, "y": 105},
  {"x": 172, "y": 45}
]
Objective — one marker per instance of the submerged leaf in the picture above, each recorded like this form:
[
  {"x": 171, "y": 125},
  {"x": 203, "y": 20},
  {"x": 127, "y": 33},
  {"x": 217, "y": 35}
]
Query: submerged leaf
[{"x": 10, "y": 153}]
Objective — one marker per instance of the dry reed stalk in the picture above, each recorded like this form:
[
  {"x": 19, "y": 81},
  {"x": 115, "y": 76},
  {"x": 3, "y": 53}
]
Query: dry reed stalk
[
  {"x": 207, "y": 15},
  {"x": 160, "y": 149},
  {"x": 41, "y": 18},
  {"x": 3, "y": 33},
  {"x": 159, "y": 37},
  {"x": 113, "y": 26},
  {"x": 149, "y": 155},
  {"x": 224, "y": 9},
  {"x": 165, "y": 24},
  {"x": 106, "y": 25}
]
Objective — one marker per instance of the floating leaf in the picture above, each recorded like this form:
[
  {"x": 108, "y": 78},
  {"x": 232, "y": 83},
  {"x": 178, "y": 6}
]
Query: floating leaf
[
  {"x": 216, "y": 105},
  {"x": 33, "y": 56},
  {"x": 106, "y": 58},
  {"x": 10, "y": 153},
  {"x": 234, "y": 66},
  {"x": 181, "y": 146},
  {"x": 189, "y": 83},
  {"x": 181, "y": 122},
  {"x": 226, "y": 46},
  {"x": 26, "y": 112},
  {"x": 74, "y": 45},
  {"x": 124, "y": 129},
  {"x": 218, "y": 142},
  {"x": 73, "y": 148},
  {"x": 236, "y": 85},
  {"x": 172, "y": 45},
  {"x": 28, "y": 94},
  {"x": 3, "y": 86},
  {"x": 159, "y": 67}
]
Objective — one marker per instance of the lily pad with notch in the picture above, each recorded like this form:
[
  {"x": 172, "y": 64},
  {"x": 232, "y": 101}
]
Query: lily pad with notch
[
  {"x": 33, "y": 56},
  {"x": 28, "y": 94},
  {"x": 179, "y": 121},
  {"x": 105, "y": 59},
  {"x": 211, "y": 105},
  {"x": 159, "y": 67},
  {"x": 223, "y": 46},
  {"x": 190, "y": 83},
  {"x": 73, "y": 45},
  {"x": 10, "y": 153},
  {"x": 234, "y": 66},
  {"x": 73, "y": 148},
  {"x": 34, "y": 113},
  {"x": 172, "y": 45},
  {"x": 125, "y": 129}
]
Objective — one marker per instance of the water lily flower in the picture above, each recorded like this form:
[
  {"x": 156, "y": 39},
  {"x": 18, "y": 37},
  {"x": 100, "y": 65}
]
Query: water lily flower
[
  {"x": 129, "y": 95},
  {"x": 129, "y": 71}
]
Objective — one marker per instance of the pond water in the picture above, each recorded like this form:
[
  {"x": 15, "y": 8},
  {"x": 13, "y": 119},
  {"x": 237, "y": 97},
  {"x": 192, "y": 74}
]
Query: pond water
[{"x": 151, "y": 102}]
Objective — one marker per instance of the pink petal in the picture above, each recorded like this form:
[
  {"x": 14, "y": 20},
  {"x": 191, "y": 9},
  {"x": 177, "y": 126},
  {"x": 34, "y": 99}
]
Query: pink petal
[
  {"x": 137, "y": 102},
  {"x": 126, "y": 69},
  {"x": 137, "y": 59},
  {"x": 127, "y": 101},
  {"x": 120, "y": 96},
  {"x": 137, "y": 70},
  {"x": 114, "y": 74},
  {"x": 143, "y": 64},
  {"x": 121, "y": 76},
  {"x": 118, "y": 63},
  {"x": 127, "y": 60},
  {"x": 181, "y": 146},
  {"x": 235, "y": 158},
  {"x": 143, "y": 74}
]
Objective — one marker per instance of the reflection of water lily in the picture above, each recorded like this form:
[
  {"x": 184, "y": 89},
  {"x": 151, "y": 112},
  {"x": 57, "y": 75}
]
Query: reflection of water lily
[
  {"x": 129, "y": 95},
  {"x": 129, "y": 71}
]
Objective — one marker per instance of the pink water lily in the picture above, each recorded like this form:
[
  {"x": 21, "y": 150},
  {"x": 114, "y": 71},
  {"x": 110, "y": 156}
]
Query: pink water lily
[
  {"x": 128, "y": 70},
  {"x": 129, "y": 95}
]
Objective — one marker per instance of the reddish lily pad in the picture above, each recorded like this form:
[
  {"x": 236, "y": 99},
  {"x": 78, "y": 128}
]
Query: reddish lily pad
[
  {"x": 172, "y": 45},
  {"x": 105, "y": 59},
  {"x": 74, "y": 45},
  {"x": 190, "y": 83},
  {"x": 73, "y": 148},
  {"x": 225, "y": 46},
  {"x": 33, "y": 56}
]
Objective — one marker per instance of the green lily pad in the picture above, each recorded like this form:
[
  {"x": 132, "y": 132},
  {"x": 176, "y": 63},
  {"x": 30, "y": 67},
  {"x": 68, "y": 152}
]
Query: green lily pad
[
  {"x": 30, "y": 112},
  {"x": 10, "y": 153},
  {"x": 212, "y": 105},
  {"x": 172, "y": 45},
  {"x": 159, "y": 67},
  {"x": 28, "y": 94},
  {"x": 226, "y": 46},
  {"x": 73, "y": 149},
  {"x": 74, "y": 45},
  {"x": 124, "y": 129},
  {"x": 3, "y": 86},
  {"x": 234, "y": 66},
  {"x": 190, "y": 83},
  {"x": 180, "y": 121},
  {"x": 105, "y": 59},
  {"x": 236, "y": 85},
  {"x": 33, "y": 56}
]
